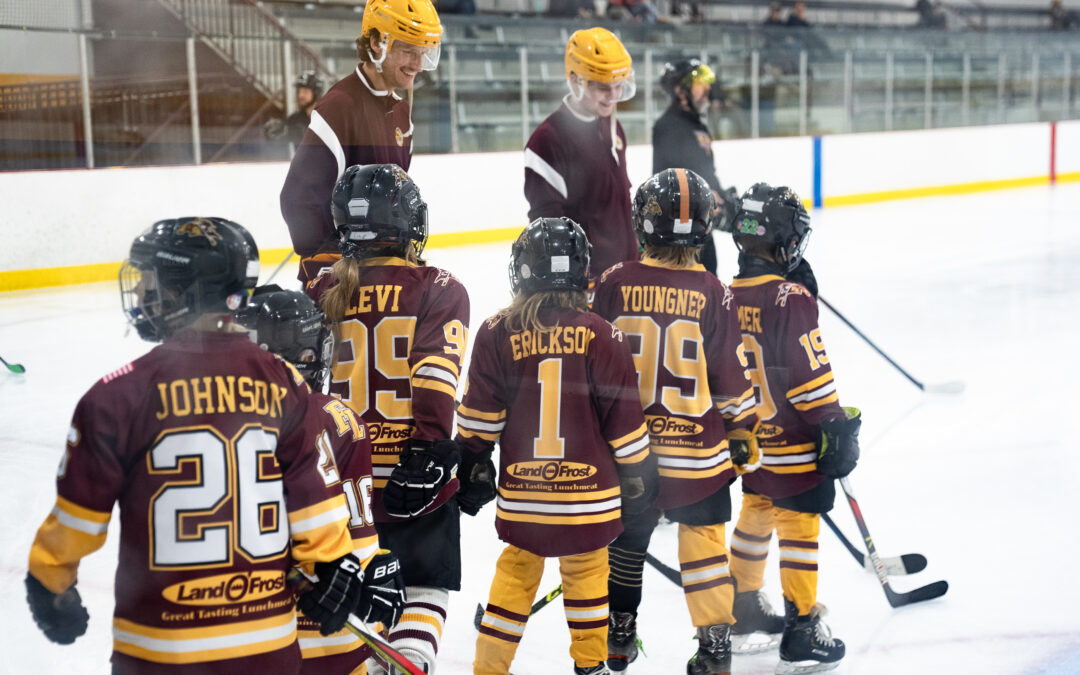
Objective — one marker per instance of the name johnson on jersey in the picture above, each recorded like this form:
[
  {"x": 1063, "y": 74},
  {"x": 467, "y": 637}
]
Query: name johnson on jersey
[{"x": 198, "y": 395}]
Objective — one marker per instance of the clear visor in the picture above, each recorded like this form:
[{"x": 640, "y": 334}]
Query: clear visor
[
  {"x": 619, "y": 91},
  {"x": 427, "y": 58},
  {"x": 138, "y": 293}
]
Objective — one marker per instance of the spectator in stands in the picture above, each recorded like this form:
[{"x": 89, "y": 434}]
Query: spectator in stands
[
  {"x": 931, "y": 15},
  {"x": 638, "y": 10},
  {"x": 797, "y": 17},
  {"x": 582, "y": 9},
  {"x": 309, "y": 88},
  {"x": 456, "y": 6},
  {"x": 774, "y": 18},
  {"x": 1059, "y": 18}
]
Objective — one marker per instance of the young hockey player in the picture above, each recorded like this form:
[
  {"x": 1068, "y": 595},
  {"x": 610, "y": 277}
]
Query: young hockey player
[
  {"x": 575, "y": 161},
  {"x": 684, "y": 335},
  {"x": 363, "y": 119},
  {"x": 202, "y": 443},
  {"x": 289, "y": 324},
  {"x": 402, "y": 328},
  {"x": 554, "y": 385},
  {"x": 806, "y": 438}
]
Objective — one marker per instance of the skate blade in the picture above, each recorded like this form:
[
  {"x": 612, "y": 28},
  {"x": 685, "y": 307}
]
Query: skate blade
[
  {"x": 798, "y": 667},
  {"x": 754, "y": 643}
]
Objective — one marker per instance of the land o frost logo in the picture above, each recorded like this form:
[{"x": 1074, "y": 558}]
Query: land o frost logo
[
  {"x": 389, "y": 433},
  {"x": 672, "y": 426},
  {"x": 551, "y": 471},
  {"x": 225, "y": 589}
]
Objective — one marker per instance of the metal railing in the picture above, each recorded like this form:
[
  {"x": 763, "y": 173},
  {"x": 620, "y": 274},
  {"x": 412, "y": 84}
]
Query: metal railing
[{"x": 491, "y": 96}]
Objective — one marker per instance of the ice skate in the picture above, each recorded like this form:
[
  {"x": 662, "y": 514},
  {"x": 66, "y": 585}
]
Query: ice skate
[
  {"x": 714, "y": 651},
  {"x": 598, "y": 669},
  {"x": 757, "y": 629},
  {"x": 622, "y": 641},
  {"x": 807, "y": 646}
]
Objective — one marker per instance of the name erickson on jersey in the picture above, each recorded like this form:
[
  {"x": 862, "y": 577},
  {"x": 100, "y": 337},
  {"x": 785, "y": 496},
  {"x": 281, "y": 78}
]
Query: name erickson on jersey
[
  {"x": 223, "y": 589},
  {"x": 212, "y": 395},
  {"x": 558, "y": 340},
  {"x": 663, "y": 300},
  {"x": 551, "y": 470}
]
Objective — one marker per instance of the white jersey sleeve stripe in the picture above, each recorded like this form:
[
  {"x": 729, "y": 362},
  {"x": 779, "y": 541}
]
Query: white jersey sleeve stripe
[
  {"x": 322, "y": 129},
  {"x": 546, "y": 171}
]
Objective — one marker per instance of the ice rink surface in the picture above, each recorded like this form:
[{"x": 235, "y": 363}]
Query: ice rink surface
[{"x": 982, "y": 288}]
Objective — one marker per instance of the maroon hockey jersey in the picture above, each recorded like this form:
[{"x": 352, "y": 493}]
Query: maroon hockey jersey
[
  {"x": 785, "y": 358},
  {"x": 570, "y": 170},
  {"x": 684, "y": 336},
  {"x": 201, "y": 441},
  {"x": 563, "y": 406},
  {"x": 399, "y": 355},
  {"x": 341, "y": 441},
  {"x": 352, "y": 124}
]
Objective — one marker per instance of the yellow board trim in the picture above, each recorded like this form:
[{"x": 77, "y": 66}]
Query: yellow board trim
[{"x": 936, "y": 191}]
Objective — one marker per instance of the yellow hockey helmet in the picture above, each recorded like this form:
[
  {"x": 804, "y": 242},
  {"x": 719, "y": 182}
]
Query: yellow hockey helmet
[
  {"x": 414, "y": 22},
  {"x": 597, "y": 55}
]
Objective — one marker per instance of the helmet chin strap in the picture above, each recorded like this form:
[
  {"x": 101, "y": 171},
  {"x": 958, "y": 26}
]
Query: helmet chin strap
[{"x": 377, "y": 62}]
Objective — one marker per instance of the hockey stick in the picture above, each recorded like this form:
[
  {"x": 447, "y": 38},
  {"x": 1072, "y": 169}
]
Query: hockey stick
[
  {"x": 13, "y": 367},
  {"x": 537, "y": 606},
  {"x": 908, "y": 563},
  {"x": 954, "y": 387},
  {"x": 381, "y": 647},
  {"x": 673, "y": 575},
  {"x": 278, "y": 268},
  {"x": 927, "y": 592}
]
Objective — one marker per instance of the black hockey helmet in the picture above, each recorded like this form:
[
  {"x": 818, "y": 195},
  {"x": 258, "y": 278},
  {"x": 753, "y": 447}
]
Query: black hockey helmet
[
  {"x": 684, "y": 73},
  {"x": 310, "y": 79},
  {"x": 672, "y": 209},
  {"x": 291, "y": 325},
  {"x": 551, "y": 254},
  {"x": 378, "y": 204},
  {"x": 777, "y": 217},
  {"x": 182, "y": 268}
]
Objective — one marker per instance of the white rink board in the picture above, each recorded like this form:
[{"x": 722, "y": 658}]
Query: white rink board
[
  {"x": 855, "y": 164},
  {"x": 95, "y": 214}
]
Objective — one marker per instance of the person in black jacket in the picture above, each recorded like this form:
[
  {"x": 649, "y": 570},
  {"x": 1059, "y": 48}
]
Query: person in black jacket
[{"x": 681, "y": 138}]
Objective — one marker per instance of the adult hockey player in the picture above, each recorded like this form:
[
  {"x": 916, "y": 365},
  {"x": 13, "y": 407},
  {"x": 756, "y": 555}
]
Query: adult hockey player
[
  {"x": 363, "y": 119},
  {"x": 202, "y": 443},
  {"x": 554, "y": 385},
  {"x": 402, "y": 328},
  {"x": 289, "y": 324},
  {"x": 806, "y": 438},
  {"x": 575, "y": 161},
  {"x": 699, "y": 408},
  {"x": 681, "y": 140}
]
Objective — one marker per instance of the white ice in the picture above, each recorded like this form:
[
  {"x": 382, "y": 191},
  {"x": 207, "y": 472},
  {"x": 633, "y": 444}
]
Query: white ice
[{"x": 982, "y": 288}]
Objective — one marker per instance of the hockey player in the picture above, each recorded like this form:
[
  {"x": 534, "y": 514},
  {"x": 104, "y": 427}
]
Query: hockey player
[
  {"x": 575, "y": 161},
  {"x": 402, "y": 329},
  {"x": 202, "y": 443},
  {"x": 681, "y": 139},
  {"x": 289, "y": 324},
  {"x": 684, "y": 333},
  {"x": 554, "y": 384},
  {"x": 363, "y": 119},
  {"x": 806, "y": 438}
]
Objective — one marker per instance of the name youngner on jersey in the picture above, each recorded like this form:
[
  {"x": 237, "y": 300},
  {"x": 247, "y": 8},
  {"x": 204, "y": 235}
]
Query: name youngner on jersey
[{"x": 663, "y": 299}]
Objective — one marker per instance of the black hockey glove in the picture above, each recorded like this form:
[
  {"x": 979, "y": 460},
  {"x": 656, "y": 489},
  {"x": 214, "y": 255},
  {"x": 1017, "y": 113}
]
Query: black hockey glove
[
  {"x": 60, "y": 616},
  {"x": 383, "y": 595},
  {"x": 639, "y": 483},
  {"x": 802, "y": 274},
  {"x": 422, "y": 471},
  {"x": 745, "y": 453},
  {"x": 334, "y": 596},
  {"x": 477, "y": 476},
  {"x": 838, "y": 449}
]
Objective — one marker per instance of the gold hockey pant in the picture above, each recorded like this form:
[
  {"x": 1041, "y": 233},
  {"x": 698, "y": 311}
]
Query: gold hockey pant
[
  {"x": 517, "y": 578},
  {"x": 798, "y": 535}
]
